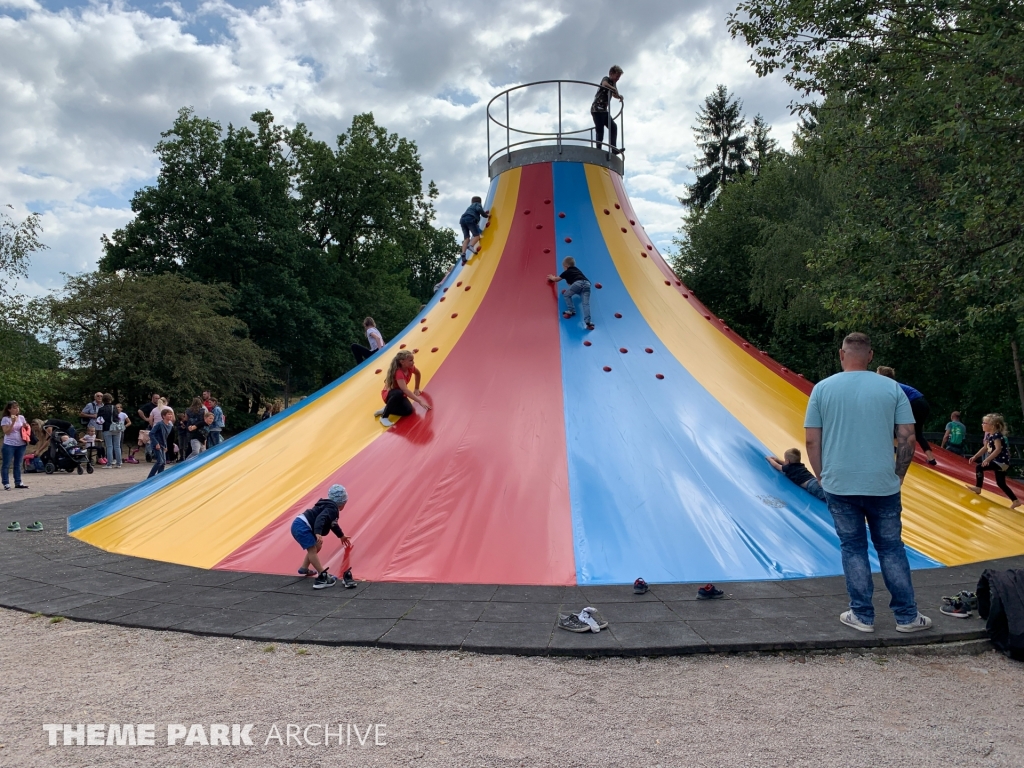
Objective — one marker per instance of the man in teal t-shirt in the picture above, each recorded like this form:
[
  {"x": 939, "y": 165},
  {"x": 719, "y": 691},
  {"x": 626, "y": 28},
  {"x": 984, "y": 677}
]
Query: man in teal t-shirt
[
  {"x": 956, "y": 434},
  {"x": 850, "y": 421}
]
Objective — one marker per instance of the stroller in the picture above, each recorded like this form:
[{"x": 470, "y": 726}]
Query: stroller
[{"x": 58, "y": 457}]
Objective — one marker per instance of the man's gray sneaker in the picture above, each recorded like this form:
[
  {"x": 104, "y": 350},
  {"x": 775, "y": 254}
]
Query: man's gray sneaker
[
  {"x": 919, "y": 624},
  {"x": 850, "y": 619}
]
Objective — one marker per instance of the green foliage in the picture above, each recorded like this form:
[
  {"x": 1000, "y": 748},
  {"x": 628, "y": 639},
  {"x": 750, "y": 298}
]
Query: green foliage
[
  {"x": 18, "y": 240},
  {"x": 310, "y": 238},
  {"x": 136, "y": 335},
  {"x": 723, "y": 145}
]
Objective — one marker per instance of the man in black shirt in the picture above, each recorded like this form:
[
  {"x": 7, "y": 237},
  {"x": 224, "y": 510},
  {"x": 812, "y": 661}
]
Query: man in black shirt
[
  {"x": 600, "y": 110},
  {"x": 796, "y": 472},
  {"x": 578, "y": 284}
]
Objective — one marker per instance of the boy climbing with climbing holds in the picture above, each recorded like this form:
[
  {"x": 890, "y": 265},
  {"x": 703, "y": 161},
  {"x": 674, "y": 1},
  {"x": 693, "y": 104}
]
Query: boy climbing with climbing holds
[
  {"x": 309, "y": 529},
  {"x": 470, "y": 223},
  {"x": 578, "y": 284}
]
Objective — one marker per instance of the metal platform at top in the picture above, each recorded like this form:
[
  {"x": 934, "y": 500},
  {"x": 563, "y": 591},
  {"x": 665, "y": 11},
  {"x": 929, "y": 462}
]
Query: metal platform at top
[{"x": 549, "y": 116}]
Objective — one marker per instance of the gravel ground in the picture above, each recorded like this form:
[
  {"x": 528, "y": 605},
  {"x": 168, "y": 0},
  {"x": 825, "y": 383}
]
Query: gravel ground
[
  {"x": 461, "y": 709},
  {"x": 58, "y": 482}
]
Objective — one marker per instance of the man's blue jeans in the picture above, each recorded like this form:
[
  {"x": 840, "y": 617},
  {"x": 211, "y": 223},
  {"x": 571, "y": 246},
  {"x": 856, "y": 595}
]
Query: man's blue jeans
[{"x": 882, "y": 514}]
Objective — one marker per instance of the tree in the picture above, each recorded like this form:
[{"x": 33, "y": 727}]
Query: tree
[
  {"x": 762, "y": 146},
  {"x": 18, "y": 240},
  {"x": 723, "y": 144},
  {"x": 134, "y": 335}
]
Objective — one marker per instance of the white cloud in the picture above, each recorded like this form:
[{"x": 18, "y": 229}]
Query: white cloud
[{"x": 88, "y": 89}]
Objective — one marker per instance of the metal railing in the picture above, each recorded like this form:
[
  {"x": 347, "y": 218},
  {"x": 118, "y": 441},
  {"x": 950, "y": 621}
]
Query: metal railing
[{"x": 558, "y": 137}]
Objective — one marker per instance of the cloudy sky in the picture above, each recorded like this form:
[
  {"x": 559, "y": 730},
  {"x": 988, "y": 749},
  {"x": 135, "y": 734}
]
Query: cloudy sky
[{"x": 87, "y": 88}]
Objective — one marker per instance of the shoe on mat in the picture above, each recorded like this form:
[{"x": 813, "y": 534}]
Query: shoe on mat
[
  {"x": 850, "y": 619},
  {"x": 919, "y": 624},
  {"x": 36, "y": 526},
  {"x": 15, "y": 526},
  {"x": 385, "y": 422},
  {"x": 21, "y": 485},
  {"x": 347, "y": 580},
  {"x": 571, "y": 622},
  {"x": 324, "y": 580},
  {"x": 709, "y": 592},
  {"x": 955, "y": 607},
  {"x": 970, "y": 600},
  {"x": 307, "y": 571},
  {"x": 378, "y": 414},
  {"x": 639, "y": 587}
]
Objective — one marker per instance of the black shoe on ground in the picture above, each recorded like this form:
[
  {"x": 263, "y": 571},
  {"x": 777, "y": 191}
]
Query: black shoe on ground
[
  {"x": 347, "y": 580},
  {"x": 639, "y": 587},
  {"x": 324, "y": 580},
  {"x": 709, "y": 592},
  {"x": 955, "y": 607}
]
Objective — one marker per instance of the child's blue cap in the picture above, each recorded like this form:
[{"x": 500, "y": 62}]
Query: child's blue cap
[{"x": 337, "y": 494}]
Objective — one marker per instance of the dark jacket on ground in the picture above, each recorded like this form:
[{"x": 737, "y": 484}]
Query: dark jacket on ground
[
  {"x": 1001, "y": 602},
  {"x": 323, "y": 517}
]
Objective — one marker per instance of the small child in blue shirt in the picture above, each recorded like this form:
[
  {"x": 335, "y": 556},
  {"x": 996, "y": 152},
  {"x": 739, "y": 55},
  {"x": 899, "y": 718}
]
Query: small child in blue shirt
[{"x": 470, "y": 223}]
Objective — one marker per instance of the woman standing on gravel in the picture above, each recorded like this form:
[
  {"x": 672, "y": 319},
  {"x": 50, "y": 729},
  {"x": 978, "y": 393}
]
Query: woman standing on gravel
[{"x": 13, "y": 424}]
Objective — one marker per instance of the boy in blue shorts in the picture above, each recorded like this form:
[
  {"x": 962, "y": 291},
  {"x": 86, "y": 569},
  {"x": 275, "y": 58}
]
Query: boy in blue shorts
[
  {"x": 309, "y": 529},
  {"x": 470, "y": 223}
]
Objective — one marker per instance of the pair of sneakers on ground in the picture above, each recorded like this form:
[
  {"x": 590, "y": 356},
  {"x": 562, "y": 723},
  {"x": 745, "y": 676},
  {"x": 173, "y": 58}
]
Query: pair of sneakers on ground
[
  {"x": 16, "y": 526},
  {"x": 960, "y": 605},
  {"x": 325, "y": 579}
]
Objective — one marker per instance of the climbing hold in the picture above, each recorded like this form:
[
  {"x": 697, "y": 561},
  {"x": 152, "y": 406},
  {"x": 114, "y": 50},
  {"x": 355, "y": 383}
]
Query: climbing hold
[
  {"x": 446, "y": 288},
  {"x": 785, "y": 370},
  {"x": 658, "y": 376},
  {"x": 726, "y": 327},
  {"x": 648, "y": 350},
  {"x": 764, "y": 353},
  {"x": 458, "y": 284},
  {"x": 586, "y": 343},
  {"x": 454, "y": 315},
  {"x": 424, "y": 328},
  {"x": 650, "y": 247},
  {"x": 547, "y": 250},
  {"x": 401, "y": 346},
  {"x": 568, "y": 239},
  {"x": 561, "y": 215},
  {"x": 746, "y": 345},
  {"x": 707, "y": 317},
  {"x": 679, "y": 284},
  {"x": 617, "y": 206},
  {"x": 378, "y": 370},
  {"x": 442, "y": 298},
  {"x": 434, "y": 349},
  {"x": 607, "y": 369},
  {"x": 540, "y": 226},
  {"x": 547, "y": 202},
  {"x": 667, "y": 283},
  {"x": 686, "y": 295},
  {"x": 597, "y": 285},
  {"x": 618, "y": 315},
  {"x": 623, "y": 229},
  {"x": 526, "y": 212},
  {"x": 415, "y": 351},
  {"x": 801, "y": 375},
  {"x": 632, "y": 222},
  {"x": 423, "y": 320},
  {"x": 607, "y": 212},
  {"x": 623, "y": 350},
  {"x": 643, "y": 254},
  {"x": 468, "y": 287}
]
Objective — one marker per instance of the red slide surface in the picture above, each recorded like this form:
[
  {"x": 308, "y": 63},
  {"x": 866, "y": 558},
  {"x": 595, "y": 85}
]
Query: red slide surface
[{"x": 476, "y": 490}]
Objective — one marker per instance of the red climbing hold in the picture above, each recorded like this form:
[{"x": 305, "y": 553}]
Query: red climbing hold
[
  {"x": 547, "y": 202},
  {"x": 434, "y": 349},
  {"x": 618, "y": 315},
  {"x": 561, "y": 215},
  {"x": 650, "y": 247},
  {"x": 643, "y": 254},
  {"x": 623, "y": 350},
  {"x": 446, "y": 289},
  {"x": 607, "y": 369},
  {"x": 526, "y": 212},
  {"x": 401, "y": 346},
  {"x": 597, "y": 285},
  {"x": 468, "y": 287},
  {"x": 458, "y": 284},
  {"x": 540, "y": 226},
  {"x": 586, "y": 343},
  {"x": 415, "y": 351},
  {"x": 686, "y": 295},
  {"x": 764, "y": 353},
  {"x": 785, "y": 370},
  {"x": 632, "y": 222},
  {"x": 623, "y": 229},
  {"x": 442, "y": 298},
  {"x": 707, "y": 317},
  {"x": 547, "y": 250},
  {"x": 424, "y": 328},
  {"x": 423, "y": 320},
  {"x": 454, "y": 315},
  {"x": 568, "y": 239},
  {"x": 746, "y": 345},
  {"x": 658, "y": 376},
  {"x": 679, "y": 284},
  {"x": 607, "y": 212},
  {"x": 667, "y": 283},
  {"x": 648, "y": 350},
  {"x": 377, "y": 371},
  {"x": 800, "y": 375},
  {"x": 617, "y": 206}
]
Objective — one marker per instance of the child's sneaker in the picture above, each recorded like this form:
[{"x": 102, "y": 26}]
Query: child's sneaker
[
  {"x": 572, "y": 623},
  {"x": 590, "y": 326},
  {"x": 378, "y": 414},
  {"x": 639, "y": 587},
  {"x": 955, "y": 607},
  {"x": 15, "y": 526},
  {"x": 385, "y": 422},
  {"x": 36, "y": 526},
  {"x": 324, "y": 580},
  {"x": 307, "y": 571},
  {"x": 568, "y": 315},
  {"x": 347, "y": 580},
  {"x": 709, "y": 592},
  {"x": 970, "y": 600}
]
